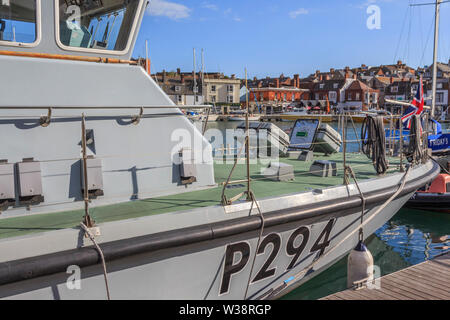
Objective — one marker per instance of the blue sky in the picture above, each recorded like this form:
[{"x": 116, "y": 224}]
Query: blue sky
[{"x": 288, "y": 36}]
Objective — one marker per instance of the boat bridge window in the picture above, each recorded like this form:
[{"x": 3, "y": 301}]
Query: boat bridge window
[
  {"x": 97, "y": 24},
  {"x": 18, "y": 21}
]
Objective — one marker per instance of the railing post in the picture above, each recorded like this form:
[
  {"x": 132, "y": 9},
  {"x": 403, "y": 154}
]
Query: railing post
[{"x": 87, "y": 218}]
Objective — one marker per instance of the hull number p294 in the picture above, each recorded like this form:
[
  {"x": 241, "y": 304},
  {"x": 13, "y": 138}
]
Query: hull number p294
[{"x": 232, "y": 267}]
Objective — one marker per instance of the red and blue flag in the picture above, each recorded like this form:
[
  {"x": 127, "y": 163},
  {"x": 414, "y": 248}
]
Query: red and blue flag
[{"x": 416, "y": 107}]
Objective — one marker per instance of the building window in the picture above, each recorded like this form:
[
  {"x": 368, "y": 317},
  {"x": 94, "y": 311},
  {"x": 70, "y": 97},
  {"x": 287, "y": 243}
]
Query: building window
[
  {"x": 179, "y": 98},
  {"x": 293, "y": 97},
  {"x": 357, "y": 96},
  {"x": 104, "y": 24},
  {"x": 439, "y": 97},
  {"x": 230, "y": 88},
  {"x": 317, "y": 96},
  {"x": 332, "y": 95},
  {"x": 213, "y": 88},
  {"x": 213, "y": 98},
  {"x": 335, "y": 85},
  {"x": 394, "y": 89},
  {"x": 322, "y": 85},
  {"x": 439, "y": 85},
  {"x": 285, "y": 97},
  {"x": 349, "y": 96},
  {"x": 177, "y": 88},
  {"x": 196, "y": 98},
  {"x": 230, "y": 99},
  {"x": 19, "y": 22}
]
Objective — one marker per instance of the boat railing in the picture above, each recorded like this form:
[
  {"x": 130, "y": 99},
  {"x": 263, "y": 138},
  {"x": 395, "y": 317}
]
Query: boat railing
[{"x": 135, "y": 119}]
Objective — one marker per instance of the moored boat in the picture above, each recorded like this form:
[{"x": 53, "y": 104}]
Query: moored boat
[
  {"x": 108, "y": 190},
  {"x": 435, "y": 197}
]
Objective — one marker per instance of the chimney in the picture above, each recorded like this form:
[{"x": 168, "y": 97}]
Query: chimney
[
  {"x": 317, "y": 72},
  {"x": 320, "y": 78},
  {"x": 332, "y": 70},
  {"x": 347, "y": 69},
  {"x": 164, "y": 76},
  {"x": 347, "y": 75},
  {"x": 277, "y": 83},
  {"x": 182, "y": 78},
  {"x": 259, "y": 84},
  {"x": 399, "y": 62},
  {"x": 392, "y": 79},
  {"x": 354, "y": 76},
  {"x": 363, "y": 66},
  {"x": 255, "y": 79},
  {"x": 178, "y": 71},
  {"x": 233, "y": 76},
  {"x": 296, "y": 80},
  {"x": 327, "y": 77}
]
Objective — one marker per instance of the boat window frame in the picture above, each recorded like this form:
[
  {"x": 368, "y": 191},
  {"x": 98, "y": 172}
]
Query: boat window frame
[
  {"x": 38, "y": 39},
  {"x": 132, "y": 34}
]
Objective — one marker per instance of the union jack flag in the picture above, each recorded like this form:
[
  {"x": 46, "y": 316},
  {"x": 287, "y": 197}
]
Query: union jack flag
[{"x": 416, "y": 107}]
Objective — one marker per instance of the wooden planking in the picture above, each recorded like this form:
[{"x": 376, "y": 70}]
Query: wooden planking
[{"x": 429, "y": 280}]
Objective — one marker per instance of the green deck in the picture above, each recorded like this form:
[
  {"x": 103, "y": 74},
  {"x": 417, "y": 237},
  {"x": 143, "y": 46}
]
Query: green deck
[{"x": 261, "y": 187}]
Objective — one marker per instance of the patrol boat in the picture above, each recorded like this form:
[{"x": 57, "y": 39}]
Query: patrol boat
[{"x": 108, "y": 191}]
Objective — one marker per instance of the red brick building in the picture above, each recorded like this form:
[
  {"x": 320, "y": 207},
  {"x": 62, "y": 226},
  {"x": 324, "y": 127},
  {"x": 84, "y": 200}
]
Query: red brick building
[{"x": 360, "y": 96}]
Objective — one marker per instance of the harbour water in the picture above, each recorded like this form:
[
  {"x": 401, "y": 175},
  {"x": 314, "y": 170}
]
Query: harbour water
[{"x": 409, "y": 238}]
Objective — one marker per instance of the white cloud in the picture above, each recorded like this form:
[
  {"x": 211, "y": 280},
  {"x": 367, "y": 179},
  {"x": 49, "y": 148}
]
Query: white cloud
[
  {"x": 210, "y": 6},
  {"x": 168, "y": 9},
  {"x": 237, "y": 19},
  {"x": 227, "y": 11},
  {"x": 294, "y": 14}
]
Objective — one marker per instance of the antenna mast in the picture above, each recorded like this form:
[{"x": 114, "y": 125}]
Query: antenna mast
[{"x": 435, "y": 53}]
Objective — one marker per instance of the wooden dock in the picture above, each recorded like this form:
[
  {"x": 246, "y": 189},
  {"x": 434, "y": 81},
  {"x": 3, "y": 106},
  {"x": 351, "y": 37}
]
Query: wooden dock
[{"x": 429, "y": 280}]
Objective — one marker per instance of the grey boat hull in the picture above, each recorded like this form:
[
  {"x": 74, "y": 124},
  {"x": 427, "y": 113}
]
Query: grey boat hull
[{"x": 214, "y": 261}]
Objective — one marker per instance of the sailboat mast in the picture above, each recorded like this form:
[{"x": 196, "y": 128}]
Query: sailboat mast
[
  {"x": 203, "y": 74},
  {"x": 195, "y": 80},
  {"x": 435, "y": 53}
]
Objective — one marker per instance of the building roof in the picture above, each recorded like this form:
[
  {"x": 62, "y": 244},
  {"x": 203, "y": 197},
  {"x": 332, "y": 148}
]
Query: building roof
[
  {"x": 171, "y": 85},
  {"x": 359, "y": 85},
  {"x": 329, "y": 85}
]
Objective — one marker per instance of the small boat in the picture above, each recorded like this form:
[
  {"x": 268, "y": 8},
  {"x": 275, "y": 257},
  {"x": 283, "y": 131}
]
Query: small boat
[
  {"x": 236, "y": 118},
  {"x": 435, "y": 197}
]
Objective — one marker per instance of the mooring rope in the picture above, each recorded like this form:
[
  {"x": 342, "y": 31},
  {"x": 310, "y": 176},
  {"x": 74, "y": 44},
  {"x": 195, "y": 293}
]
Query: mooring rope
[
  {"x": 105, "y": 274},
  {"x": 414, "y": 148},
  {"x": 361, "y": 231},
  {"x": 440, "y": 165},
  {"x": 253, "y": 198}
]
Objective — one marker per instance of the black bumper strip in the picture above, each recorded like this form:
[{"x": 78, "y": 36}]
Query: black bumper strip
[{"x": 28, "y": 268}]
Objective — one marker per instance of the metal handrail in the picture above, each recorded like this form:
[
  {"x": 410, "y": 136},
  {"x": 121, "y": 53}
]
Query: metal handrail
[{"x": 104, "y": 108}]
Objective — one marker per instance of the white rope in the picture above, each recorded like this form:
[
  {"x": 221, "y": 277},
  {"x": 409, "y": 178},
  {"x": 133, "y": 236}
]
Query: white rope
[
  {"x": 91, "y": 236},
  {"x": 252, "y": 195}
]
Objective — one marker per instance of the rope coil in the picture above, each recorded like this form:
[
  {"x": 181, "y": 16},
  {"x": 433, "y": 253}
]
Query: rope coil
[{"x": 374, "y": 142}]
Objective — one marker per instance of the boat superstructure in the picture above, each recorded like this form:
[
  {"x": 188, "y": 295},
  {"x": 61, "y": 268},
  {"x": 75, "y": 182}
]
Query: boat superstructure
[{"x": 88, "y": 137}]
